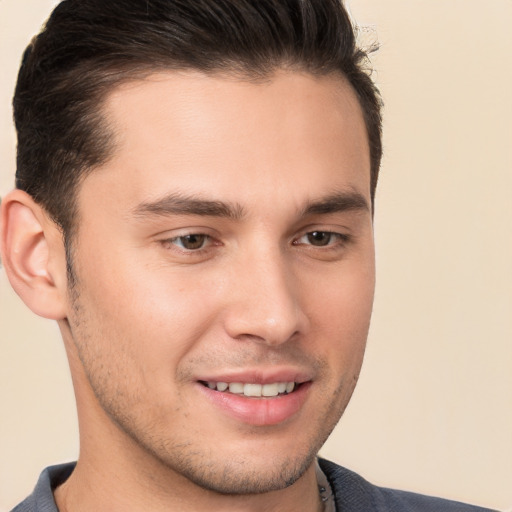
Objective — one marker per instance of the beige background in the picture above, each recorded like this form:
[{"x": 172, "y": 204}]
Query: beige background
[{"x": 433, "y": 410}]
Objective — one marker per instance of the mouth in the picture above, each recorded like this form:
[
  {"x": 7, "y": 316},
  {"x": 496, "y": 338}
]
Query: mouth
[
  {"x": 253, "y": 390},
  {"x": 258, "y": 397}
]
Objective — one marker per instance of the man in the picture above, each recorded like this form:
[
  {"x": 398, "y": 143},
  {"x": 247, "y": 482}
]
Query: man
[{"x": 194, "y": 207}]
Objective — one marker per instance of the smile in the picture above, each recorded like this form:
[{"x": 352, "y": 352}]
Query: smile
[
  {"x": 257, "y": 403},
  {"x": 251, "y": 389}
]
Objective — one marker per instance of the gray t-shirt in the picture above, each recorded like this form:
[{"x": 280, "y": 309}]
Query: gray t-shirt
[{"x": 343, "y": 491}]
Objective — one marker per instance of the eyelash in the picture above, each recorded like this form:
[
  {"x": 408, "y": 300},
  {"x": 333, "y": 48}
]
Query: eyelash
[
  {"x": 340, "y": 240},
  {"x": 205, "y": 238}
]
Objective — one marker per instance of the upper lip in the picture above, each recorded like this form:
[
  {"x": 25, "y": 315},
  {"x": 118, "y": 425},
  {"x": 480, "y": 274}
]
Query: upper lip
[{"x": 260, "y": 376}]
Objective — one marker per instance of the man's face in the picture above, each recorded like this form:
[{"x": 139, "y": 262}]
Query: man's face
[{"x": 227, "y": 242}]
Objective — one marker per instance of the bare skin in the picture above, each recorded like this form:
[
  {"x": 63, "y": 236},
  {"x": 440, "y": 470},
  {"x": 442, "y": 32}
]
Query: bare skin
[{"x": 228, "y": 239}]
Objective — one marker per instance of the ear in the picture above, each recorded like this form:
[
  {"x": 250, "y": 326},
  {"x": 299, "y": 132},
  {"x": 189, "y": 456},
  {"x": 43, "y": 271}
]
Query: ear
[{"x": 33, "y": 254}]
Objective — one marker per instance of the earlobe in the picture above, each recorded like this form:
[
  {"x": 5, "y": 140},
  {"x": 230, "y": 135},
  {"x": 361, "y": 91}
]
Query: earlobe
[{"x": 33, "y": 255}]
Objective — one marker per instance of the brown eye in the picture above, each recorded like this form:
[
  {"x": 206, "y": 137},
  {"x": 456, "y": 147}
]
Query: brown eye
[
  {"x": 319, "y": 238},
  {"x": 190, "y": 242}
]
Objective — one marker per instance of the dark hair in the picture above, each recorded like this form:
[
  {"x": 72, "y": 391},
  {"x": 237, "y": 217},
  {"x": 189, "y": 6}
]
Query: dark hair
[{"x": 89, "y": 46}]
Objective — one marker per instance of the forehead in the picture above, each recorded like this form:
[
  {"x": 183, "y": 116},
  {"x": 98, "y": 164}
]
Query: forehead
[{"x": 290, "y": 135}]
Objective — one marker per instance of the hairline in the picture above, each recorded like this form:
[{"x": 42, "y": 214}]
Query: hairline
[{"x": 126, "y": 75}]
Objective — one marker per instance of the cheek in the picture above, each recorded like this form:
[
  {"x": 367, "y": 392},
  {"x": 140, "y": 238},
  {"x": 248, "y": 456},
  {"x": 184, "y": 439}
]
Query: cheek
[
  {"x": 153, "y": 316},
  {"x": 340, "y": 313},
  {"x": 343, "y": 301}
]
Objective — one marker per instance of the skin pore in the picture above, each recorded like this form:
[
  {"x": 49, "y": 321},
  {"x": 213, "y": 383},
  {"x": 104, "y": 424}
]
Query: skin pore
[{"x": 228, "y": 239}]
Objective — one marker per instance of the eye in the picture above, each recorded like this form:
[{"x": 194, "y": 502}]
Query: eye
[
  {"x": 192, "y": 242},
  {"x": 321, "y": 238}
]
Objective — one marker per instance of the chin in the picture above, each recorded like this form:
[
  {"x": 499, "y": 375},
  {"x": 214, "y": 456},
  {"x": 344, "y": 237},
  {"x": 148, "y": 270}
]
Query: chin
[{"x": 245, "y": 477}]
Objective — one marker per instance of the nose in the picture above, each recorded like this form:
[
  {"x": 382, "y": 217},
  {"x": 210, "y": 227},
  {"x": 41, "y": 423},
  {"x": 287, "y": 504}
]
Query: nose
[{"x": 264, "y": 300}]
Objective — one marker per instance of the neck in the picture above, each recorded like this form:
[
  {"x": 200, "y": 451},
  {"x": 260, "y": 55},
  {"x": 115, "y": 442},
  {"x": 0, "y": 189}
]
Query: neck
[{"x": 108, "y": 487}]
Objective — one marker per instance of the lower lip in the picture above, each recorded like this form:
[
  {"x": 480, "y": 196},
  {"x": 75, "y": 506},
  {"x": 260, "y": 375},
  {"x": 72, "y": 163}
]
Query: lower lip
[{"x": 259, "y": 411}]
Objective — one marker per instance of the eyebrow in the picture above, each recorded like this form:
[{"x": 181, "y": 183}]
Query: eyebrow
[
  {"x": 337, "y": 202},
  {"x": 178, "y": 204}
]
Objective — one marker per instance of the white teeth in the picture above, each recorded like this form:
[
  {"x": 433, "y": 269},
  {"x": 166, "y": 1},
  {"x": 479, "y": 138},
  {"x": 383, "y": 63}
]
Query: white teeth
[
  {"x": 281, "y": 387},
  {"x": 236, "y": 387},
  {"x": 254, "y": 390},
  {"x": 222, "y": 386},
  {"x": 270, "y": 389}
]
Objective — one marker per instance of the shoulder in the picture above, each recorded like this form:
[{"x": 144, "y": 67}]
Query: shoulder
[
  {"x": 41, "y": 499},
  {"x": 354, "y": 494}
]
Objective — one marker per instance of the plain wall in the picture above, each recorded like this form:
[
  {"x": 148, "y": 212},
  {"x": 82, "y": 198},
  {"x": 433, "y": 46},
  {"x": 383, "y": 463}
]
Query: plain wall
[{"x": 433, "y": 409}]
